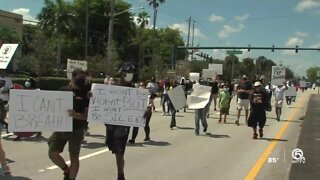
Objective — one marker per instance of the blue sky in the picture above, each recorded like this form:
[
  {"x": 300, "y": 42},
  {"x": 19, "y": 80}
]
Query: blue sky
[{"x": 233, "y": 23}]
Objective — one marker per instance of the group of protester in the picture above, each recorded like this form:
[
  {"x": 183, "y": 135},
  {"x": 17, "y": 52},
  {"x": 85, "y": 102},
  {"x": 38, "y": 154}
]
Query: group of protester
[{"x": 253, "y": 95}]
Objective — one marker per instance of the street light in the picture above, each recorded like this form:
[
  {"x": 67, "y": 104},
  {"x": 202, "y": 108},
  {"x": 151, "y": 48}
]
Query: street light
[{"x": 110, "y": 33}]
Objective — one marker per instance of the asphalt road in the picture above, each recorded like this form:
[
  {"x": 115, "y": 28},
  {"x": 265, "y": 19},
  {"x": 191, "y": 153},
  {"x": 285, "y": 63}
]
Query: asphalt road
[{"x": 226, "y": 152}]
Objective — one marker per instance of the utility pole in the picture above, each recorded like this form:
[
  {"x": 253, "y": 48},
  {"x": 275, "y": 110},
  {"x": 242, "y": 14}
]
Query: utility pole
[
  {"x": 87, "y": 27},
  {"x": 192, "y": 42},
  {"x": 110, "y": 33},
  {"x": 154, "y": 40},
  {"x": 188, "y": 39}
]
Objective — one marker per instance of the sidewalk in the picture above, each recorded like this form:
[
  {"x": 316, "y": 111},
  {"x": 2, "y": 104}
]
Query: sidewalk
[{"x": 309, "y": 143}]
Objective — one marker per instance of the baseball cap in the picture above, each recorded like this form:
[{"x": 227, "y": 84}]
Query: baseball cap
[{"x": 258, "y": 83}]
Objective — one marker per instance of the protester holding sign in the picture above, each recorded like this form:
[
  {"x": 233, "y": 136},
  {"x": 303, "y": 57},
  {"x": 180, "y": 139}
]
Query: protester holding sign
[
  {"x": 279, "y": 95},
  {"x": 5, "y": 86},
  {"x": 79, "y": 112},
  {"x": 30, "y": 84}
]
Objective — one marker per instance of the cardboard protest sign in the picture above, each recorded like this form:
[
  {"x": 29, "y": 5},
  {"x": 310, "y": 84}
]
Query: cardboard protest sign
[
  {"x": 199, "y": 97},
  {"x": 118, "y": 105},
  {"x": 6, "y": 53},
  {"x": 75, "y": 64},
  {"x": 278, "y": 75},
  {"x": 217, "y": 68},
  {"x": 208, "y": 73},
  {"x": 194, "y": 77},
  {"x": 291, "y": 91},
  {"x": 178, "y": 98},
  {"x": 36, "y": 111},
  {"x": 303, "y": 84}
]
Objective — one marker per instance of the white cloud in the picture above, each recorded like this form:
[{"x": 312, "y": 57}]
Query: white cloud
[
  {"x": 294, "y": 41},
  {"x": 302, "y": 34},
  {"x": 26, "y": 15},
  {"x": 183, "y": 27},
  {"x": 306, "y": 5},
  {"x": 242, "y": 18},
  {"x": 227, "y": 30},
  {"x": 216, "y": 18}
]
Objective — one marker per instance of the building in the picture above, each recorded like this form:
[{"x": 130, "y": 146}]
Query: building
[{"x": 12, "y": 21}]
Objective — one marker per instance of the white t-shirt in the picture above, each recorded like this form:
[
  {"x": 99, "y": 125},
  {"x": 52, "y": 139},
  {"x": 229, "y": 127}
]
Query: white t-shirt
[
  {"x": 279, "y": 93},
  {"x": 7, "y": 85}
]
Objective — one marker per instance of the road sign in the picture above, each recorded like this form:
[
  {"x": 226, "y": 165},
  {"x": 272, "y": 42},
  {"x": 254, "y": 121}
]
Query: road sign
[{"x": 234, "y": 52}]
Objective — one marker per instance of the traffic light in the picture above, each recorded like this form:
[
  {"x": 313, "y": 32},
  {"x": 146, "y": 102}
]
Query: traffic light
[
  {"x": 297, "y": 49},
  {"x": 249, "y": 48},
  {"x": 272, "y": 50}
]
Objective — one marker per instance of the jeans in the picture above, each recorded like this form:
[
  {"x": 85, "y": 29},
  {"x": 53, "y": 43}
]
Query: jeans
[{"x": 201, "y": 115}]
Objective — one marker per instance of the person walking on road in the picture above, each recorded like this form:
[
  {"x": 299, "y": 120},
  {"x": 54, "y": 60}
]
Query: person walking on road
[
  {"x": 224, "y": 103},
  {"x": 259, "y": 103},
  {"x": 214, "y": 94},
  {"x": 230, "y": 90},
  {"x": 165, "y": 98},
  {"x": 5, "y": 170},
  {"x": 288, "y": 98},
  {"x": 5, "y": 86},
  {"x": 279, "y": 95},
  {"x": 243, "y": 92},
  {"x": 58, "y": 140},
  {"x": 148, "y": 115}
]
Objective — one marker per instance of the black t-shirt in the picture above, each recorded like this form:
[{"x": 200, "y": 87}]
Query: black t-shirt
[
  {"x": 80, "y": 104},
  {"x": 244, "y": 86},
  {"x": 258, "y": 101},
  {"x": 215, "y": 87}
]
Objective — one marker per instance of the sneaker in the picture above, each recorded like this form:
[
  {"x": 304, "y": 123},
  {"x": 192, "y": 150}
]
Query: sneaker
[
  {"x": 205, "y": 130},
  {"x": 278, "y": 119},
  {"x": 147, "y": 139},
  {"x": 197, "y": 133},
  {"x": 131, "y": 141},
  {"x": 260, "y": 133},
  {"x": 121, "y": 177},
  {"x": 225, "y": 121},
  {"x": 255, "y": 136},
  {"x": 219, "y": 121},
  {"x": 237, "y": 123}
]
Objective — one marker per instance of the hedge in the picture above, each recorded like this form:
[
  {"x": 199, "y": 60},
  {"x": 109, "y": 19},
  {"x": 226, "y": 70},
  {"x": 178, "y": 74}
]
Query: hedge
[{"x": 51, "y": 83}]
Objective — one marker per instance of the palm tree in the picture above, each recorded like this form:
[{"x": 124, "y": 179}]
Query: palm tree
[
  {"x": 154, "y": 4},
  {"x": 55, "y": 19},
  {"x": 143, "y": 19}
]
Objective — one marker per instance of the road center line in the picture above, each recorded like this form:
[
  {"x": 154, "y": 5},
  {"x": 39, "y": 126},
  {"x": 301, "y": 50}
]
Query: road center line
[
  {"x": 82, "y": 158},
  {"x": 259, "y": 164}
]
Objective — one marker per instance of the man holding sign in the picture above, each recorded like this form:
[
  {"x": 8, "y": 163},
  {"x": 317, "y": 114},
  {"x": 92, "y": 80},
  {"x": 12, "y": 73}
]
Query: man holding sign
[{"x": 58, "y": 140}]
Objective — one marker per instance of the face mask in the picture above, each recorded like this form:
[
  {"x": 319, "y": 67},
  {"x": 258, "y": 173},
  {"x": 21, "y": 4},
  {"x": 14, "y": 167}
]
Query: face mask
[
  {"x": 129, "y": 77},
  {"x": 80, "y": 82},
  {"x": 27, "y": 84}
]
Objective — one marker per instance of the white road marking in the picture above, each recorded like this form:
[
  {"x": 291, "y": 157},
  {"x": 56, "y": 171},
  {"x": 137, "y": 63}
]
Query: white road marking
[
  {"x": 6, "y": 135},
  {"x": 82, "y": 158}
]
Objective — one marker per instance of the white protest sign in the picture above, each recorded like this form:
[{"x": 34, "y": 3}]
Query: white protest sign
[
  {"x": 117, "y": 105},
  {"x": 278, "y": 75},
  {"x": 36, "y": 111},
  {"x": 208, "y": 73},
  {"x": 217, "y": 68},
  {"x": 6, "y": 53},
  {"x": 303, "y": 84},
  {"x": 199, "y": 97},
  {"x": 194, "y": 77},
  {"x": 178, "y": 98},
  {"x": 291, "y": 91},
  {"x": 75, "y": 64}
]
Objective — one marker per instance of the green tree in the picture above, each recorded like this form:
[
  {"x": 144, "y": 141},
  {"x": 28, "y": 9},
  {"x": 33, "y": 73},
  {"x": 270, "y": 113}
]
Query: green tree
[
  {"x": 246, "y": 66},
  {"x": 312, "y": 73},
  {"x": 143, "y": 19},
  {"x": 289, "y": 74},
  {"x": 8, "y": 35}
]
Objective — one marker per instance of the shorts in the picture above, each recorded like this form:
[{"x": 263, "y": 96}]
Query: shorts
[
  {"x": 214, "y": 96},
  {"x": 243, "y": 104},
  {"x": 278, "y": 103},
  {"x": 58, "y": 140},
  {"x": 117, "y": 137}
]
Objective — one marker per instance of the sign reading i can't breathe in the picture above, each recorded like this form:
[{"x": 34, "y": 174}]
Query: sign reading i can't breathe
[
  {"x": 117, "y": 105},
  {"x": 75, "y": 64},
  {"x": 278, "y": 75},
  {"x": 6, "y": 53},
  {"x": 36, "y": 111}
]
